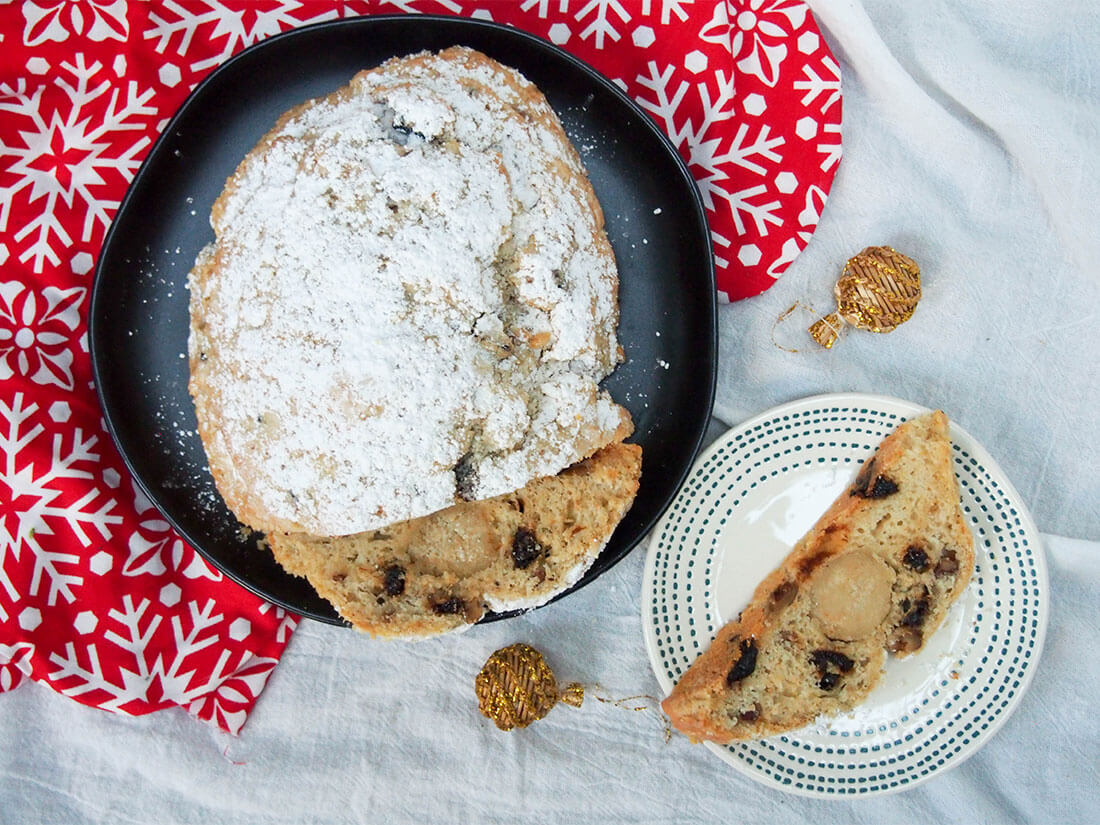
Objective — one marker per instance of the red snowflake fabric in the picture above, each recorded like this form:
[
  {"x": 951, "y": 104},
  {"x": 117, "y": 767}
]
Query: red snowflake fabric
[{"x": 99, "y": 598}]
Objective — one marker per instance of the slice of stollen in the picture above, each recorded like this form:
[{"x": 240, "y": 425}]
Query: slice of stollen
[
  {"x": 441, "y": 572},
  {"x": 875, "y": 574}
]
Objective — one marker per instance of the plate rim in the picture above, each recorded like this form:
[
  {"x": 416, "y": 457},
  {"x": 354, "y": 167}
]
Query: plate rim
[
  {"x": 1027, "y": 527},
  {"x": 603, "y": 561}
]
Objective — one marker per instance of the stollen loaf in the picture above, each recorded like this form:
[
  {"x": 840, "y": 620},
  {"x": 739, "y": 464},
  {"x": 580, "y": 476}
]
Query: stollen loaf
[{"x": 410, "y": 302}]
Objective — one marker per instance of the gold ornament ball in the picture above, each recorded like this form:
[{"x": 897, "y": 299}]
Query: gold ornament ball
[
  {"x": 878, "y": 291},
  {"x": 516, "y": 687}
]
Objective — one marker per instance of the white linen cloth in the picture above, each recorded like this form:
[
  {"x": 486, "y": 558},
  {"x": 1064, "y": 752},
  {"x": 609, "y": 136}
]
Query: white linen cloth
[
  {"x": 971, "y": 136},
  {"x": 352, "y": 731}
]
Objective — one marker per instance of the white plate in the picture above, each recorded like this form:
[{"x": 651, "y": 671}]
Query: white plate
[{"x": 750, "y": 497}]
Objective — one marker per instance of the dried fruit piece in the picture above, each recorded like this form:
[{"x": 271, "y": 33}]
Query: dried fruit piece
[
  {"x": 947, "y": 565},
  {"x": 905, "y": 639},
  {"x": 449, "y": 606},
  {"x": 393, "y": 580},
  {"x": 466, "y": 478},
  {"x": 915, "y": 558},
  {"x": 828, "y": 681},
  {"x": 822, "y": 659},
  {"x": 825, "y": 661},
  {"x": 872, "y": 484},
  {"x": 745, "y": 664},
  {"x": 750, "y": 715},
  {"x": 916, "y": 615},
  {"x": 784, "y": 595},
  {"x": 882, "y": 488},
  {"x": 525, "y": 548}
]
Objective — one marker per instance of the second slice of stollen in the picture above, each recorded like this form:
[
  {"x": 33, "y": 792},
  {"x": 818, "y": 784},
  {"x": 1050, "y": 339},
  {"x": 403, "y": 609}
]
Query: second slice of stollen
[{"x": 875, "y": 575}]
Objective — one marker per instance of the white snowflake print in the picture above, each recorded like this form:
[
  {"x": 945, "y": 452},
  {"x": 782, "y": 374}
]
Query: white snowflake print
[
  {"x": 708, "y": 156},
  {"x": 831, "y": 149},
  {"x": 15, "y": 664},
  {"x": 71, "y": 158},
  {"x": 154, "y": 548},
  {"x": 416, "y": 6},
  {"x": 666, "y": 103},
  {"x": 287, "y": 621},
  {"x": 136, "y": 633},
  {"x": 542, "y": 7},
  {"x": 669, "y": 9},
  {"x": 35, "y": 332},
  {"x": 36, "y": 511},
  {"x": 605, "y": 16},
  {"x": 226, "y": 705},
  {"x": 195, "y": 632},
  {"x": 131, "y": 627},
  {"x": 807, "y": 220},
  {"x": 825, "y": 91},
  {"x": 57, "y": 20},
  {"x": 238, "y": 28},
  {"x": 755, "y": 35}
]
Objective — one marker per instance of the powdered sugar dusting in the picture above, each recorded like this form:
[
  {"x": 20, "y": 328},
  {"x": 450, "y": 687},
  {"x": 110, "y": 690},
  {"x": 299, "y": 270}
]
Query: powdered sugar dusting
[{"x": 407, "y": 276}]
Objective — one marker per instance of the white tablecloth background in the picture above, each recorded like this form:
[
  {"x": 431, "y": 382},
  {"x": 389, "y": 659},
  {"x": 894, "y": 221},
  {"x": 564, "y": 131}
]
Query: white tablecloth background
[{"x": 971, "y": 143}]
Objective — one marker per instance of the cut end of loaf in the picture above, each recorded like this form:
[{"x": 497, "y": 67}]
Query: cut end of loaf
[{"x": 441, "y": 572}]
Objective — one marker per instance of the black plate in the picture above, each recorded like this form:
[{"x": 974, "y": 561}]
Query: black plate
[{"x": 139, "y": 309}]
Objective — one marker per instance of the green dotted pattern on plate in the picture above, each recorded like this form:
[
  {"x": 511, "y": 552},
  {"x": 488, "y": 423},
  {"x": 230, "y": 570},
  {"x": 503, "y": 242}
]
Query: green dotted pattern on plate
[{"x": 942, "y": 725}]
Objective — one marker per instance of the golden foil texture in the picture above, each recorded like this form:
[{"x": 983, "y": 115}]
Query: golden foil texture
[
  {"x": 877, "y": 291},
  {"x": 517, "y": 687}
]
